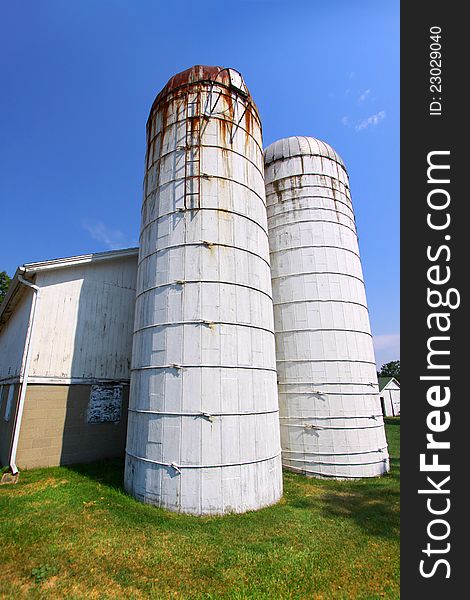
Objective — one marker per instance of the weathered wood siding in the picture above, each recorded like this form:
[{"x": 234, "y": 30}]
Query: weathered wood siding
[
  {"x": 12, "y": 339},
  {"x": 391, "y": 397},
  {"x": 84, "y": 321}
]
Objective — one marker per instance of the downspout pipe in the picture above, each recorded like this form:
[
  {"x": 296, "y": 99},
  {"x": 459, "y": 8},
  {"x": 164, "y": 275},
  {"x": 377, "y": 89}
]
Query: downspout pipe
[{"x": 24, "y": 372}]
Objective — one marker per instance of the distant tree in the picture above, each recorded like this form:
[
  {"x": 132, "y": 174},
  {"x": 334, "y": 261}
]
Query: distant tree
[
  {"x": 390, "y": 369},
  {"x": 4, "y": 284}
]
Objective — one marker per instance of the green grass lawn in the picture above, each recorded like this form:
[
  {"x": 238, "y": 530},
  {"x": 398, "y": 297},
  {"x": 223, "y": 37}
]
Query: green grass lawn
[{"x": 73, "y": 533}]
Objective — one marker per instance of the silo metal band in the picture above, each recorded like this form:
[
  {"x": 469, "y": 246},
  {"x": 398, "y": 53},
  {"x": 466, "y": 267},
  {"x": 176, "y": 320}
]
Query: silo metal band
[
  {"x": 303, "y": 155},
  {"x": 209, "y": 324},
  {"x": 180, "y": 211},
  {"x": 202, "y": 322},
  {"x": 327, "y": 383},
  {"x": 314, "y": 175},
  {"x": 204, "y": 414},
  {"x": 318, "y": 273},
  {"x": 177, "y": 466},
  {"x": 293, "y": 223},
  {"x": 349, "y": 453},
  {"x": 338, "y": 187},
  {"x": 201, "y": 366},
  {"x": 273, "y": 215},
  {"x": 314, "y": 246},
  {"x": 212, "y": 176},
  {"x": 321, "y": 427},
  {"x": 281, "y": 212},
  {"x": 326, "y": 417},
  {"x": 162, "y": 156},
  {"x": 337, "y": 464},
  {"x": 217, "y": 281},
  {"x": 316, "y": 329},
  {"x": 202, "y": 243},
  {"x": 311, "y": 300},
  {"x": 331, "y": 475},
  {"x": 285, "y": 201},
  {"x": 326, "y": 360},
  {"x": 313, "y": 393}
]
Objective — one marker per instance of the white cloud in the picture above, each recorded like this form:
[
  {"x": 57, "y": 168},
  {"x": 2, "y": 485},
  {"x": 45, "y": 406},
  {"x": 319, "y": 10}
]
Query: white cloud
[
  {"x": 113, "y": 239},
  {"x": 372, "y": 120},
  {"x": 346, "y": 121},
  {"x": 387, "y": 348},
  {"x": 363, "y": 96}
]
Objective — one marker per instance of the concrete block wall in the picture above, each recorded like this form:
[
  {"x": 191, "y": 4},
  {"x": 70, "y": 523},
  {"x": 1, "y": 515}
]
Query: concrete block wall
[{"x": 55, "y": 430}]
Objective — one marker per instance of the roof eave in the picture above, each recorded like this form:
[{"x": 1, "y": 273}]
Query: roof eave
[
  {"x": 30, "y": 269},
  {"x": 12, "y": 297},
  {"x": 390, "y": 379},
  {"x": 71, "y": 261}
]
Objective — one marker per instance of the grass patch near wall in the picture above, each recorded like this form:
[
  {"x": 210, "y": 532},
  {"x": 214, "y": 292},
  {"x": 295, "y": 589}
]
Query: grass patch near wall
[{"x": 73, "y": 533}]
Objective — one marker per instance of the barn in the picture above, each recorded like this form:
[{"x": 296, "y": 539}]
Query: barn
[
  {"x": 389, "y": 389},
  {"x": 66, "y": 338}
]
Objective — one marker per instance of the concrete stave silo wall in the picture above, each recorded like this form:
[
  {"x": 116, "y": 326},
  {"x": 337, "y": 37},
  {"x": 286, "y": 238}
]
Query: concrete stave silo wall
[
  {"x": 203, "y": 434},
  {"x": 331, "y": 422}
]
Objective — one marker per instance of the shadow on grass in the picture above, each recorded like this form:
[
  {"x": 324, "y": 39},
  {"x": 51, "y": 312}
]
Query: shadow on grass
[
  {"x": 371, "y": 503},
  {"x": 374, "y": 508},
  {"x": 107, "y": 472}
]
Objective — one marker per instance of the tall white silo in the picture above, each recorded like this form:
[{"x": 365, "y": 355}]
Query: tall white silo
[
  {"x": 330, "y": 414},
  {"x": 203, "y": 432}
]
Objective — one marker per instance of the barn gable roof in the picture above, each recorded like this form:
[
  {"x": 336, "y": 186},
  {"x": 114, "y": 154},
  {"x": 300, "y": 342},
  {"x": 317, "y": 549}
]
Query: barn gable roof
[{"x": 384, "y": 381}]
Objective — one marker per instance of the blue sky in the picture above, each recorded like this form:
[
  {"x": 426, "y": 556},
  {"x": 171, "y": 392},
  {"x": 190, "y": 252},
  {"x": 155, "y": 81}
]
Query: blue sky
[{"x": 79, "y": 78}]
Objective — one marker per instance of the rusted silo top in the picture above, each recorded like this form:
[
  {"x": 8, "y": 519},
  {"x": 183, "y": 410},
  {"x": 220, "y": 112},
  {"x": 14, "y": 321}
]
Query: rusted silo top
[
  {"x": 225, "y": 76},
  {"x": 300, "y": 145}
]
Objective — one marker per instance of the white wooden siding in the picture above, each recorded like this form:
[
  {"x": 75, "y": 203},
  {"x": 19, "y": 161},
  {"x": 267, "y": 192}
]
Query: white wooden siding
[
  {"x": 394, "y": 391},
  {"x": 391, "y": 395},
  {"x": 12, "y": 339},
  {"x": 387, "y": 403},
  {"x": 84, "y": 320}
]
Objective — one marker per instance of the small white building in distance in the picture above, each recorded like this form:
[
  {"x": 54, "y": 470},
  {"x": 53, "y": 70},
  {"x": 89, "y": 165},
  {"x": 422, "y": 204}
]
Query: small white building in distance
[{"x": 389, "y": 389}]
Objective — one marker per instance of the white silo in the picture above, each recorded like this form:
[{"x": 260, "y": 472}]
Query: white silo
[
  {"x": 203, "y": 433},
  {"x": 330, "y": 414}
]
